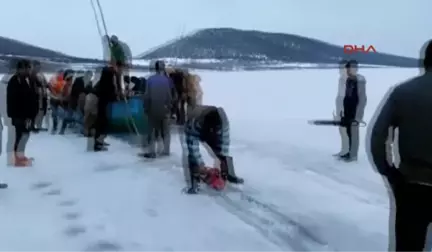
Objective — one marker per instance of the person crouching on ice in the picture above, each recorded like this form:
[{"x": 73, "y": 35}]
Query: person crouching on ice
[{"x": 208, "y": 124}]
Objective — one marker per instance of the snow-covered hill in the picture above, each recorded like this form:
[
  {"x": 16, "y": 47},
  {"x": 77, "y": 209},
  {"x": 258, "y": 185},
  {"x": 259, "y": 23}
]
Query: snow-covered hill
[{"x": 246, "y": 49}]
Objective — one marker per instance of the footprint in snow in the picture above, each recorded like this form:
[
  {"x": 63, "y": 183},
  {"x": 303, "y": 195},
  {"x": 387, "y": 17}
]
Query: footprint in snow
[
  {"x": 151, "y": 212},
  {"x": 40, "y": 185},
  {"x": 73, "y": 231},
  {"x": 107, "y": 168},
  {"x": 53, "y": 192},
  {"x": 104, "y": 246},
  {"x": 67, "y": 203},
  {"x": 72, "y": 216}
]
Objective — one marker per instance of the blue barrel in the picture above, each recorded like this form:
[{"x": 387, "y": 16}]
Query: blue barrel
[{"x": 122, "y": 115}]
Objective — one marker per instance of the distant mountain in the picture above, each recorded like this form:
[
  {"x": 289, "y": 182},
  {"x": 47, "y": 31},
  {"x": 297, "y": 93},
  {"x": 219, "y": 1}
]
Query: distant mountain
[
  {"x": 246, "y": 47},
  {"x": 11, "y": 49}
]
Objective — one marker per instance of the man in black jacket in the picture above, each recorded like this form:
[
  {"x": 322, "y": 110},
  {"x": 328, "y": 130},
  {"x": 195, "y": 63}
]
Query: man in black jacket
[
  {"x": 353, "y": 106},
  {"x": 406, "y": 109},
  {"x": 22, "y": 107},
  {"x": 106, "y": 91}
]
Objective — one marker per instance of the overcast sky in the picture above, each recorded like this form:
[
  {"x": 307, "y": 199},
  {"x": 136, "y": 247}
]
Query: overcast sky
[{"x": 395, "y": 26}]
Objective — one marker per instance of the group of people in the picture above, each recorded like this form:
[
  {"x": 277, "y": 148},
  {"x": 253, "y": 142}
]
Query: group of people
[
  {"x": 80, "y": 100},
  {"x": 174, "y": 93}
]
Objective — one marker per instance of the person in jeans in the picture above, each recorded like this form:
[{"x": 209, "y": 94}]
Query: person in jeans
[{"x": 208, "y": 124}]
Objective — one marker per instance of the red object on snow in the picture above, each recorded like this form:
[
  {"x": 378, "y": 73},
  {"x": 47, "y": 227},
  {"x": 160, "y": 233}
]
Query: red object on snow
[{"x": 214, "y": 179}]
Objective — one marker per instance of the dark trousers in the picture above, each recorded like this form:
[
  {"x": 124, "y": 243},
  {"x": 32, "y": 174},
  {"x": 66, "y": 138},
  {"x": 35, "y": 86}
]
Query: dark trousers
[
  {"x": 101, "y": 122},
  {"x": 158, "y": 128},
  {"x": 22, "y": 135},
  {"x": 353, "y": 133},
  {"x": 413, "y": 216},
  {"x": 180, "y": 111},
  {"x": 55, "y": 113}
]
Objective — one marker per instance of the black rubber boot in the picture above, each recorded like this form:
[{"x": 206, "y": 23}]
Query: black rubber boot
[
  {"x": 227, "y": 171},
  {"x": 149, "y": 155},
  {"x": 99, "y": 147},
  {"x": 194, "y": 184},
  {"x": 54, "y": 128}
]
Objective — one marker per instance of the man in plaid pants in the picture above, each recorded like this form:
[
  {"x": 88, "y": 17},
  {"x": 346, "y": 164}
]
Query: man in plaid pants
[{"x": 208, "y": 124}]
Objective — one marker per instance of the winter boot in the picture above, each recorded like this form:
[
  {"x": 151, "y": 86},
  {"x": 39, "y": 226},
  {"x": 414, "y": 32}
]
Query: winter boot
[
  {"x": 194, "y": 182},
  {"x": 22, "y": 161},
  {"x": 149, "y": 155},
  {"x": 54, "y": 128},
  {"x": 227, "y": 171},
  {"x": 63, "y": 128},
  {"x": 99, "y": 147},
  {"x": 348, "y": 158}
]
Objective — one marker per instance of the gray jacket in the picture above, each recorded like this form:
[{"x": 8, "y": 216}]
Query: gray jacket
[
  {"x": 408, "y": 108},
  {"x": 158, "y": 96}
]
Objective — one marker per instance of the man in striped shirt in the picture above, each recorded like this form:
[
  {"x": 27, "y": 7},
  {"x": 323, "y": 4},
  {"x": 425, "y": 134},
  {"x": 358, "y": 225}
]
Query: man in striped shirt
[{"x": 208, "y": 124}]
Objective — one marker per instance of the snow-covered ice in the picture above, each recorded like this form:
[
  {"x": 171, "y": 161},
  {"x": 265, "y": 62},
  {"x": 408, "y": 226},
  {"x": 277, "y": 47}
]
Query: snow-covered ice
[{"x": 296, "y": 196}]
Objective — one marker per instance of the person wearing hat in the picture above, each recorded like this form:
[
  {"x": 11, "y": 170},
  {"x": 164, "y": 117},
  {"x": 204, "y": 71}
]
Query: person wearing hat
[
  {"x": 158, "y": 100},
  {"x": 407, "y": 109},
  {"x": 118, "y": 56},
  {"x": 120, "y": 59}
]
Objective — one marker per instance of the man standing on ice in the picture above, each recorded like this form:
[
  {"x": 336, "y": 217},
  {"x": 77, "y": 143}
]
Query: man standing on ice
[
  {"x": 210, "y": 125},
  {"x": 407, "y": 108},
  {"x": 353, "y": 106},
  {"x": 106, "y": 93},
  {"x": 339, "y": 107},
  {"x": 3, "y": 118},
  {"x": 157, "y": 102},
  {"x": 22, "y": 107}
]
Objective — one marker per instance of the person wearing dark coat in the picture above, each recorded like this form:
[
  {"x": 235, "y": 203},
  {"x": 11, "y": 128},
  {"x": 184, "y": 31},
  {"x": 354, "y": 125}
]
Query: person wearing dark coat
[
  {"x": 405, "y": 110},
  {"x": 106, "y": 91},
  {"x": 22, "y": 107},
  {"x": 353, "y": 106},
  {"x": 157, "y": 103}
]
